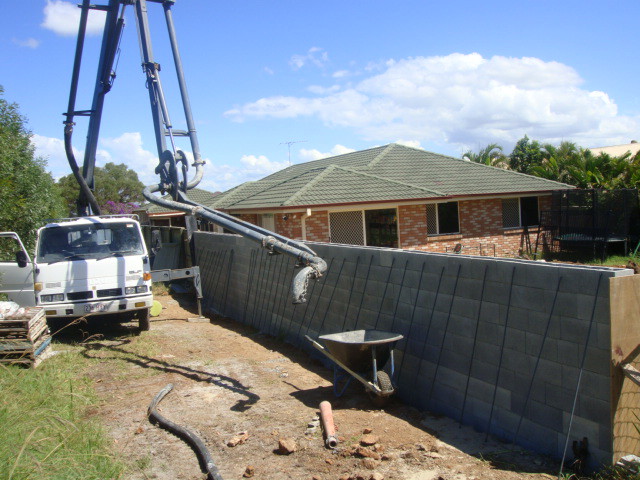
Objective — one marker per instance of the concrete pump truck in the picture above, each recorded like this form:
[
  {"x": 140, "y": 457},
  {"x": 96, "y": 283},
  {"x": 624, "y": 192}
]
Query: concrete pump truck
[{"x": 98, "y": 264}]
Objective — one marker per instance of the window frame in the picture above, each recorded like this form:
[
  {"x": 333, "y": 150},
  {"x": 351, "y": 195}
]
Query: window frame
[
  {"x": 520, "y": 210},
  {"x": 436, "y": 206}
]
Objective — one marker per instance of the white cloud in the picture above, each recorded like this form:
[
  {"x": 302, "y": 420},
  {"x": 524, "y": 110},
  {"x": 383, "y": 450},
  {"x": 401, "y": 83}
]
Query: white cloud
[
  {"x": 462, "y": 100},
  {"x": 313, "y": 154},
  {"x": 128, "y": 149},
  {"x": 63, "y": 18},
  {"x": 223, "y": 177},
  {"x": 260, "y": 165},
  {"x": 410, "y": 143},
  {"x": 52, "y": 150},
  {"x": 26, "y": 42},
  {"x": 319, "y": 90},
  {"x": 315, "y": 56}
]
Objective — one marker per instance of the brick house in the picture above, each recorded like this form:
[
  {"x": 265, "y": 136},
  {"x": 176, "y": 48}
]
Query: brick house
[{"x": 400, "y": 197}]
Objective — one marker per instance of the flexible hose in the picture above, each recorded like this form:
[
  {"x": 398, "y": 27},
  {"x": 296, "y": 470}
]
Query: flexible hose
[
  {"x": 313, "y": 265},
  {"x": 198, "y": 446}
]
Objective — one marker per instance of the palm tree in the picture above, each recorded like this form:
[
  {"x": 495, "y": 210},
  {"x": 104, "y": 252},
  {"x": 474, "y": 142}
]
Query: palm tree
[{"x": 490, "y": 155}]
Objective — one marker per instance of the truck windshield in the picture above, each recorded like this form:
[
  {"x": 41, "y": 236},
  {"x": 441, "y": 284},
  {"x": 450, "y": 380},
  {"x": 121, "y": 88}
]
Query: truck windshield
[{"x": 82, "y": 242}]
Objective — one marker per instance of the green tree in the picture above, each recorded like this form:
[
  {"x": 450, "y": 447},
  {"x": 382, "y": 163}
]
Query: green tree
[
  {"x": 490, "y": 155},
  {"x": 113, "y": 183},
  {"x": 557, "y": 162},
  {"x": 525, "y": 155},
  {"x": 28, "y": 194}
]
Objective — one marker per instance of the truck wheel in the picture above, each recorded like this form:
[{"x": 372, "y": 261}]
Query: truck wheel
[{"x": 143, "y": 320}]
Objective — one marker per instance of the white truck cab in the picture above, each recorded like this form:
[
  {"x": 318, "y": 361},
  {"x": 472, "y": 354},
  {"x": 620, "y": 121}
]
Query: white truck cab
[{"x": 88, "y": 265}]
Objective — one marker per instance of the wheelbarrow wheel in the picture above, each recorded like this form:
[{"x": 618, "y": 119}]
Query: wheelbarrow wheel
[{"x": 384, "y": 382}]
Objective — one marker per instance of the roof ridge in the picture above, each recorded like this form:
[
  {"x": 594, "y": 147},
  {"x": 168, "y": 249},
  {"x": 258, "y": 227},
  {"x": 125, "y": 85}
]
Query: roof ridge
[
  {"x": 381, "y": 155},
  {"x": 272, "y": 183},
  {"x": 359, "y": 172},
  {"x": 313, "y": 181},
  {"x": 232, "y": 191}
]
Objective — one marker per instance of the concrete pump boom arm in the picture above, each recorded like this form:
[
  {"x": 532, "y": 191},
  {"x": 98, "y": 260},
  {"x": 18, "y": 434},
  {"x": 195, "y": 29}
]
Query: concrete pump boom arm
[{"x": 173, "y": 165}]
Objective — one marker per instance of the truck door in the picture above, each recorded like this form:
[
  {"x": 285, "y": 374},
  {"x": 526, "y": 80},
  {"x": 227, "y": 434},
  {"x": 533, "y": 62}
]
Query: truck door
[{"x": 16, "y": 270}]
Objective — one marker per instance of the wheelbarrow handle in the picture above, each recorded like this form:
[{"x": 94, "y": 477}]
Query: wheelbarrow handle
[{"x": 369, "y": 385}]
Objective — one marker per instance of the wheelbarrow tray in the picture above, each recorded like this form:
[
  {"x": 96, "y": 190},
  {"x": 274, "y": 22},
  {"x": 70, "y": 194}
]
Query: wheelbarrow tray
[{"x": 355, "y": 349}]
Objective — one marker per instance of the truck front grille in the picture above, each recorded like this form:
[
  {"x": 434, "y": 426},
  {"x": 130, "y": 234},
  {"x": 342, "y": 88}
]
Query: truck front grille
[
  {"x": 110, "y": 292},
  {"x": 79, "y": 295}
]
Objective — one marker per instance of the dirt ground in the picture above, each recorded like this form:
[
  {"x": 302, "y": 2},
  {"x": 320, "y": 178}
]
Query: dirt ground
[{"x": 229, "y": 379}]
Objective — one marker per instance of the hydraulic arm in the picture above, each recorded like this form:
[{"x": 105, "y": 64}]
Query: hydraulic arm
[{"x": 173, "y": 165}]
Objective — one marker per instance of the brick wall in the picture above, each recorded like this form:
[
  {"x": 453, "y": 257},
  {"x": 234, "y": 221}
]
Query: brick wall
[
  {"x": 318, "y": 227},
  {"x": 480, "y": 226},
  {"x": 481, "y": 231}
]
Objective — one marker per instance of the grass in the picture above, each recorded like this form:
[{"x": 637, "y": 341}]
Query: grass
[{"x": 46, "y": 433}]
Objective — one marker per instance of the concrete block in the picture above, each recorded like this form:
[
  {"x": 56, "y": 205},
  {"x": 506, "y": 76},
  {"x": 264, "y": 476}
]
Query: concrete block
[
  {"x": 595, "y": 385},
  {"x": 558, "y": 397},
  {"x": 549, "y": 350},
  {"x": 545, "y": 415},
  {"x": 598, "y": 360},
  {"x": 490, "y": 333},
  {"x": 568, "y": 353},
  {"x": 580, "y": 428},
  {"x": 537, "y": 438},
  {"x": 533, "y": 344},
  {"x": 593, "y": 409},
  {"x": 549, "y": 372},
  {"x": 501, "y": 271},
  {"x": 446, "y": 400},
  {"x": 487, "y": 352},
  {"x": 465, "y": 307},
  {"x": 484, "y": 371},
  {"x": 538, "y": 275},
  {"x": 470, "y": 288},
  {"x": 489, "y": 312},
  {"x": 515, "y": 340},
  {"x": 566, "y": 305},
  {"x": 497, "y": 291},
  {"x": 451, "y": 378},
  {"x": 518, "y": 318},
  {"x": 476, "y": 413},
  {"x": 574, "y": 330},
  {"x": 504, "y": 422},
  {"x": 457, "y": 360}
]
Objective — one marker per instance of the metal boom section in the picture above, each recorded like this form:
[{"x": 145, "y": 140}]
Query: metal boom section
[{"x": 173, "y": 164}]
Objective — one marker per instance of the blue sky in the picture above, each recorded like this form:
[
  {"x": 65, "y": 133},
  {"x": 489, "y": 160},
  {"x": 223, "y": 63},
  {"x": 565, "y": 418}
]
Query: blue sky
[{"x": 337, "y": 76}]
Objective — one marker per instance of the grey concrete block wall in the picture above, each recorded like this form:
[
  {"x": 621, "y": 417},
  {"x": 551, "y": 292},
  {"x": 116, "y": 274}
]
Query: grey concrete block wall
[{"x": 496, "y": 343}]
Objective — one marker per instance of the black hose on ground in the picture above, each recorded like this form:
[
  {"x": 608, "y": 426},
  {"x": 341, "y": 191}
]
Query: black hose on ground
[{"x": 204, "y": 457}]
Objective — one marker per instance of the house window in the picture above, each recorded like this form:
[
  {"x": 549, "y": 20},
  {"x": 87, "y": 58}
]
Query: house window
[
  {"x": 346, "y": 228},
  {"x": 442, "y": 218},
  {"x": 520, "y": 212},
  {"x": 374, "y": 228},
  {"x": 382, "y": 228}
]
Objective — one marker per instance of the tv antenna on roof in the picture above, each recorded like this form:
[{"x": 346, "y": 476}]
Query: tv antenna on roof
[{"x": 288, "y": 144}]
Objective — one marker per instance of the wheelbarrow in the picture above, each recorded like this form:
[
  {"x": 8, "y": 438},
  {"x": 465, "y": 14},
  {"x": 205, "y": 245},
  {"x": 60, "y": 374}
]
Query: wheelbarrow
[{"x": 357, "y": 354}]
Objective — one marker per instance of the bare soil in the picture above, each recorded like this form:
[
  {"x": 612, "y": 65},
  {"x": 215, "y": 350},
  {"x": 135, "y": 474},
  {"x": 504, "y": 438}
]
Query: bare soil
[{"x": 230, "y": 379}]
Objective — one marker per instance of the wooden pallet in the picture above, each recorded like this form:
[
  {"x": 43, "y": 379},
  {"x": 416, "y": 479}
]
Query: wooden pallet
[{"x": 26, "y": 339}]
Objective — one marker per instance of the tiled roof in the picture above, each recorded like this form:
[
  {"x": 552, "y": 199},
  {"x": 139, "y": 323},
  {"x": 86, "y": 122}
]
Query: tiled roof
[
  {"x": 198, "y": 195},
  {"x": 391, "y": 172}
]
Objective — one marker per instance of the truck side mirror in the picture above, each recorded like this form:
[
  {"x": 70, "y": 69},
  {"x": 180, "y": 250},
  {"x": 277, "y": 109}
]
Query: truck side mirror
[{"x": 22, "y": 259}]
